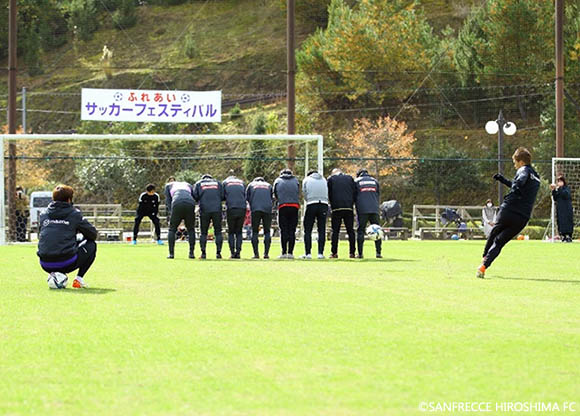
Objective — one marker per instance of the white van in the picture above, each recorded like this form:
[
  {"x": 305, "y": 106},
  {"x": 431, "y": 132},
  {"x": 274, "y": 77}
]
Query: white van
[{"x": 39, "y": 201}]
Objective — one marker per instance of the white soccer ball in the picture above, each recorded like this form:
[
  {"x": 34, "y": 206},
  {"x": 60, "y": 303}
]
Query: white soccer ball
[
  {"x": 375, "y": 232},
  {"x": 57, "y": 280}
]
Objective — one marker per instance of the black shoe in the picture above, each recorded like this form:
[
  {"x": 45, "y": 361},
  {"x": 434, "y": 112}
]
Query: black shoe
[
  {"x": 256, "y": 257},
  {"x": 352, "y": 256},
  {"x": 379, "y": 256},
  {"x": 360, "y": 256},
  {"x": 191, "y": 256},
  {"x": 218, "y": 256},
  {"x": 333, "y": 256},
  {"x": 266, "y": 256},
  {"x": 202, "y": 256},
  {"x": 170, "y": 256},
  {"x": 238, "y": 256}
]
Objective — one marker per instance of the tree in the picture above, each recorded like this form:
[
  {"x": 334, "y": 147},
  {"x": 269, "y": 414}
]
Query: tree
[
  {"x": 367, "y": 54},
  {"x": 382, "y": 138},
  {"x": 256, "y": 166}
]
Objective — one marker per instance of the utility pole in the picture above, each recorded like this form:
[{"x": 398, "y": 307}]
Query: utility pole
[
  {"x": 12, "y": 67},
  {"x": 290, "y": 84},
  {"x": 559, "y": 78}
]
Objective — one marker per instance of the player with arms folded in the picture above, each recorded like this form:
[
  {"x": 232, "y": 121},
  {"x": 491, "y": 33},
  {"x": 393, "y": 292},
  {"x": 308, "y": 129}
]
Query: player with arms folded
[{"x": 516, "y": 208}]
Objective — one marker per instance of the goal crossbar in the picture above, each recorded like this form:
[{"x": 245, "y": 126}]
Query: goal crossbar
[{"x": 7, "y": 138}]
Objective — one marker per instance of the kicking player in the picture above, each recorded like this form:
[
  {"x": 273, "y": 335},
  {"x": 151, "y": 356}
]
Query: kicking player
[
  {"x": 180, "y": 206},
  {"x": 235, "y": 197},
  {"x": 148, "y": 207},
  {"x": 58, "y": 248},
  {"x": 259, "y": 196},
  {"x": 209, "y": 193},
  {"x": 516, "y": 208},
  {"x": 367, "y": 208}
]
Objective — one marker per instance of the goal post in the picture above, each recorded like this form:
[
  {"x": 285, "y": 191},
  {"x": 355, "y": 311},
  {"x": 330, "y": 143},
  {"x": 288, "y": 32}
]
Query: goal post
[
  {"x": 44, "y": 160},
  {"x": 570, "y": 168}
]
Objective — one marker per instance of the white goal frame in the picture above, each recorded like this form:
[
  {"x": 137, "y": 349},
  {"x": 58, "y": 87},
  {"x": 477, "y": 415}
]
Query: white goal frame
[
  {"x": 554, "y": 173},
  {"x": 6, "y": 138}
]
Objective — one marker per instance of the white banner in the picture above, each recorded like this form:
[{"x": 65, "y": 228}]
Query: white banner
[{"x": 152, "y": 106}]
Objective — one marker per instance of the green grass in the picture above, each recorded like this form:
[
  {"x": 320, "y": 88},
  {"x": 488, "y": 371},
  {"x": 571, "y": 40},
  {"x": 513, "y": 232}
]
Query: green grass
[{"x": 154, "y": 336}]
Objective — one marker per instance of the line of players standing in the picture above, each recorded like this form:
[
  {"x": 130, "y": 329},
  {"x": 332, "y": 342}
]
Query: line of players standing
[{"x": 337, "y": 194}]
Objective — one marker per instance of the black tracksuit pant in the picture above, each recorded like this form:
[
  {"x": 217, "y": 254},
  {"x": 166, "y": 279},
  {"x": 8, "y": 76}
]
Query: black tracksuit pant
[
  {"x": 86, "y": 254},
  {"x": 315, "y": 212},
  {"x": 508, "y": 225},
  {"x": 235, "y": 218},
  {"x": 346, "y": 216},
  {"x": 362, "y": 224},
  {"x": 287, "y": 221},
  {"x": 266, "y": 219},
  {"x": 154, "y": 219},
  {"x": 216, "y": 219},
  {"x": 179, "y": 212}
]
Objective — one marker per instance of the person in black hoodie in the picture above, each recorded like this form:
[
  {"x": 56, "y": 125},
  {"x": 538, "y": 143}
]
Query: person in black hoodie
[
  {"x": 367, "y": 208},
  {"x": 564, "y": 209},
  {"x": 341, "y": 193},
  {"x": 516, "y": 208},
  {"x": 259, "y": 197},
  {"x": 58, "y": 248}
]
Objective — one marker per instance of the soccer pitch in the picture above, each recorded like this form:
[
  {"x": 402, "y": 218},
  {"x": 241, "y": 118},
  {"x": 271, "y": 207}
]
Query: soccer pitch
[{"x": 278, "y": 337}]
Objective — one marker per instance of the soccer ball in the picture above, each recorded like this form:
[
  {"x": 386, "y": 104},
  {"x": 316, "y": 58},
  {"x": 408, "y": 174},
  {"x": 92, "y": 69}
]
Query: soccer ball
[
  {"x": 375, "y": 232},
  {"x": 57, "y": 280}
]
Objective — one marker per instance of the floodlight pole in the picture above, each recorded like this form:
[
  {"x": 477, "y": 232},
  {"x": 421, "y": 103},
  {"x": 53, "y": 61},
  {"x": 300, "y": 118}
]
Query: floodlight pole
[
  {"x": 559, "y": 78},
  {"x": 12, "y": 68}
]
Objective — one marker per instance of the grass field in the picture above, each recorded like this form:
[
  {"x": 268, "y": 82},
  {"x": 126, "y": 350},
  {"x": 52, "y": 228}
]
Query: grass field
[{"x": 342, "y": 337}]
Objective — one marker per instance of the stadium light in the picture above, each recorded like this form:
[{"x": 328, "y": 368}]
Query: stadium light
[{"x": 501, "y": 127}]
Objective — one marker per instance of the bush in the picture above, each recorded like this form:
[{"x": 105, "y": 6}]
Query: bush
[
  {"x": 125, "y": 16},
  {"x": 83, "y": 18},
  {"x": 189, "y": 47},
  {"x": 235, "y": 112}
]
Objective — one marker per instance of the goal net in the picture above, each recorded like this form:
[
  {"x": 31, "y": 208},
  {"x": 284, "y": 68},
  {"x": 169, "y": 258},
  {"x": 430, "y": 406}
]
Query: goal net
[
  {"x": 570, "y": 168},
  {"x": 109, "y": 172}
]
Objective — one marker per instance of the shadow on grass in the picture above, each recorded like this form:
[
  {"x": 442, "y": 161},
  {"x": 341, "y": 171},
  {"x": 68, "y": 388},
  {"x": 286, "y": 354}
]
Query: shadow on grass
[
  {"x": 88, "y": 291},
  {"x": 577, "y": 282}
]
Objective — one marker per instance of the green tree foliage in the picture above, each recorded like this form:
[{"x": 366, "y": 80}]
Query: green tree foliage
[
  {"x": 257, "y": 150},
  {"x": 507, "y": 37},
  {"x": 83, "y": 20},
  {"x": 375, "y": 46},
  {"x": 447, "y": 180},
  {"x": 125, "y": 16}
]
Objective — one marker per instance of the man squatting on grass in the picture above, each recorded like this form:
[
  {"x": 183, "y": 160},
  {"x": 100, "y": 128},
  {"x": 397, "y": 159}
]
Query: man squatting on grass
[
  {"x": 181, "y": 206},
  {"x": 235, "y": 197},
  {"x": 148, "y": 207},
  {"x": 58, "y": 248},
  {"x": 209, "y": 194},
  {"x": 286, "y": 191},
  {"x": 367, "y": 208},
  {"x": 259, "y": 196},
  {"x": 516, "y": 208},
  {"x": 315, "y": 192},
  {"x": 341, "y": 193}
]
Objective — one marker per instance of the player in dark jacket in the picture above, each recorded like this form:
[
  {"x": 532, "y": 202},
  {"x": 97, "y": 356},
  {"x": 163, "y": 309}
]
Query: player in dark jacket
[
  {"x": 564, "y": 210},
  {"x": 286, "y": 191},
  {"x": 259, "y": 196},
  {"x": 148, "y": 207},
  {"x": 235, "y": 197},
  {"x": 180, "y": 207},
  {"x": 58, "y": 248},
  {"x": 341, "y": 194},
  {"x": 209, "y": 193},
  {"x": 367, "y": 208},
  {"x": 516, "y": 208}
]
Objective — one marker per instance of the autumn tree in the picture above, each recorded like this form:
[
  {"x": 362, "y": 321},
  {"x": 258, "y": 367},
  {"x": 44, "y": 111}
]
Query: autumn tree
[{"x": 381, "y": 138}]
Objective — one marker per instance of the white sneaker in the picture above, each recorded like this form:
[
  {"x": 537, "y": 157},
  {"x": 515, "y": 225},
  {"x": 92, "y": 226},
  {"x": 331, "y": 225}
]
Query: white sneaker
[
  {"x": 79, "y": 282},
  {"x": 283, "y": 256},
  {"x": 321, "y": 257},
  {"x": 290, "y": 256},
  {"x": 306, "y": 257}
]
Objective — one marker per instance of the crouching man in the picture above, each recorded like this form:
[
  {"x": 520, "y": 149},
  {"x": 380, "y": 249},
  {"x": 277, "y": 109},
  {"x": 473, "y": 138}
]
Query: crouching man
[{"x": 58, "y": 248}]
